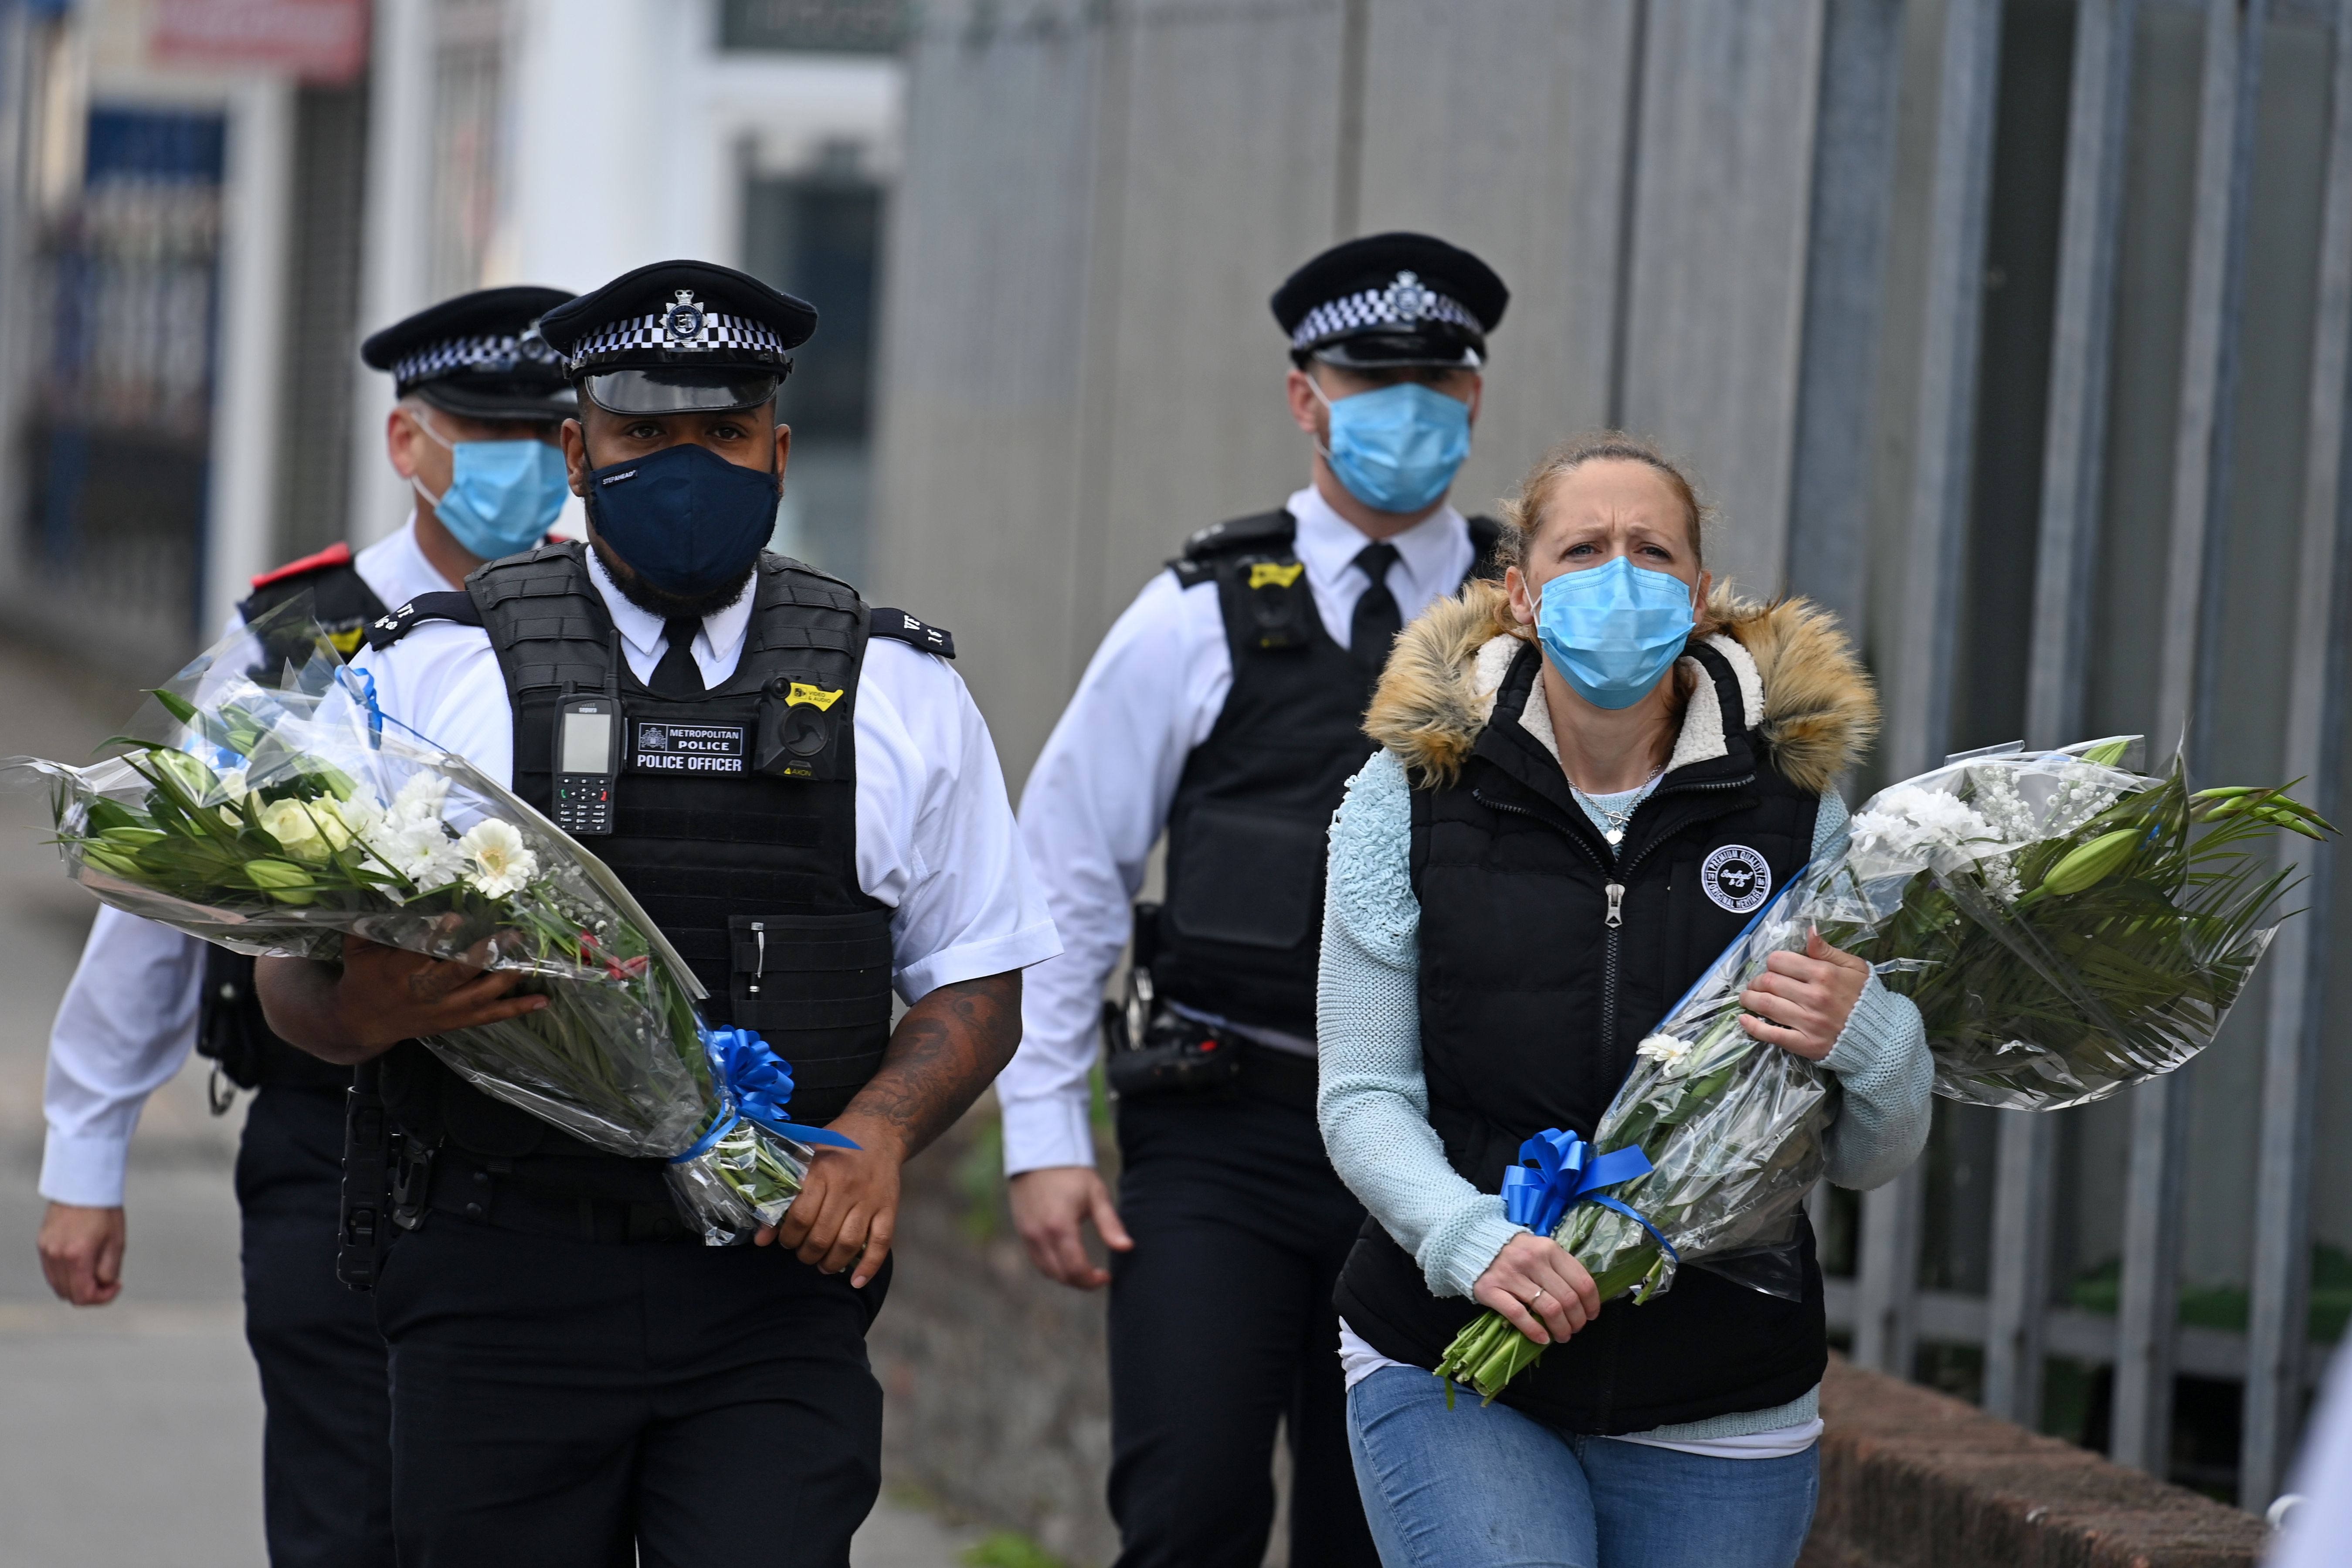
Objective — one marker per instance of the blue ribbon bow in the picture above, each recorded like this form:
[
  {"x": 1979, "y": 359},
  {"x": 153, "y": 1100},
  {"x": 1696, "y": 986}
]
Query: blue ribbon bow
[
  {"x": 753, "y": 1081},
  {"x": 1557, "y": 1170}
]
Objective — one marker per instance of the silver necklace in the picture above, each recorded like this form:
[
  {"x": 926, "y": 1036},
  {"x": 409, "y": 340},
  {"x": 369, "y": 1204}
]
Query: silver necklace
[{"x": 1615, "y": 831}]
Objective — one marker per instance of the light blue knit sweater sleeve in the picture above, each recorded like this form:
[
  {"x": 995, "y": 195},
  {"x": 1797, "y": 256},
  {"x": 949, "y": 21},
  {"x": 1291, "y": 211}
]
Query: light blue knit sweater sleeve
[{"x": 1373, "y": 1103}]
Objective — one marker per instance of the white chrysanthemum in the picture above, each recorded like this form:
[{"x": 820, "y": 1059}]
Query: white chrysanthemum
[
  {"x": 420, "y": 851},
  {"x": 1668, "y": 1052},
  {"x": 420, "y": 798},
  {"x": 502, "y": 863},
  {"x": 1906, "y": 822}
]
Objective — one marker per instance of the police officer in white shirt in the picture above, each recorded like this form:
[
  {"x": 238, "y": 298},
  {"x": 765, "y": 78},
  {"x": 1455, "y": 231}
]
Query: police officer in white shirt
[
  {"x": 577, "y": 1378},
  {"x": 1226, "y": 706},
  {"x": 475, "y": 434}
]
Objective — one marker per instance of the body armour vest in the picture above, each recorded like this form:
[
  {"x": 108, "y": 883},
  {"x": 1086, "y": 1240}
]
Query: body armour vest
[
  {"x": 735, "y": 825},
  {"x": 230, "y": 1029},
  {"x": 1241, "y": 927},
  {"x": 1531, "y": 1005}
]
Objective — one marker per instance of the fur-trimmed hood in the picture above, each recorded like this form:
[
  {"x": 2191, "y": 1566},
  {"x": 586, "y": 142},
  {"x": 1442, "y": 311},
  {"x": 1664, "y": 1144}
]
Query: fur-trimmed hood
[{"x": 1794, "y": 666}]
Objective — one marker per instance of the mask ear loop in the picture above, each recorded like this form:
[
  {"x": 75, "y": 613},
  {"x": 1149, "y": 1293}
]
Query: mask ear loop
[
  {"x": 437, "y": 439},
  {"x": 1322, "y": 445}
]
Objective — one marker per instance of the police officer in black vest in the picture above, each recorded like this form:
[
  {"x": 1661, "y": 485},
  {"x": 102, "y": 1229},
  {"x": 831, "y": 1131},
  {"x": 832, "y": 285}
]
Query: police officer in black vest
[
  {"x": 1227, "y": 705},
  {"x": 577, "y": 1378},
  {"x": 475, "y": 435}
]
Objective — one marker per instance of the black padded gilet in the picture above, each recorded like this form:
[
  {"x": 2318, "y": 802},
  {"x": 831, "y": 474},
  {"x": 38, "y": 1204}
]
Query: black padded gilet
[
  {"x": 752, "y": 874},
  {"x": 1531, "y": 1007},
  {"x": 1241, "y": 927}
]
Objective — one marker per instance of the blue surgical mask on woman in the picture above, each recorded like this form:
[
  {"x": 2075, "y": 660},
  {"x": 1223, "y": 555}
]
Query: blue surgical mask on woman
[
  {"x": 1612, "y": 630},
  {"x": 502, "y": 496},
  {"x": 1396, "y": 448},
  {"x": 685, "y": 517}
]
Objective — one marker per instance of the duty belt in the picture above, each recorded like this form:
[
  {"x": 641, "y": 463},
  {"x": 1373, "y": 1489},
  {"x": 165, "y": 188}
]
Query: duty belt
[{"x": 496, "y": 1192}]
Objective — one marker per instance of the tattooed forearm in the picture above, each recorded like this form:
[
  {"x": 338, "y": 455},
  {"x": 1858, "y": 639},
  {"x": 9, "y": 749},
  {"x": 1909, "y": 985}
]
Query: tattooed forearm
[{"x": 948, "y": 1047}]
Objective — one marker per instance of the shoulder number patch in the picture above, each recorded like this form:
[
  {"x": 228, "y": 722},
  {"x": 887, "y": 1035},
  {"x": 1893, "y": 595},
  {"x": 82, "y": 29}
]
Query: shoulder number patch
[{"x": 1737, "y": 877}]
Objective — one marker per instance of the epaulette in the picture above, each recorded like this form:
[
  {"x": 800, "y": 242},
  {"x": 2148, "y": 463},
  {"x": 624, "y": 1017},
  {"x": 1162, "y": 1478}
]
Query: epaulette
[
  {"x": 906, "y": 628},
  {"x": 1270, "y": 531},
  {"x": 456, "y": 605},
  {"x": 336, "y": 554}
]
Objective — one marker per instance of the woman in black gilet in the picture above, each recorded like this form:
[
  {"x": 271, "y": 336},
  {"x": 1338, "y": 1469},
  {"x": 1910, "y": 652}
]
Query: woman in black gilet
[{"x": 1593, "y": 776}]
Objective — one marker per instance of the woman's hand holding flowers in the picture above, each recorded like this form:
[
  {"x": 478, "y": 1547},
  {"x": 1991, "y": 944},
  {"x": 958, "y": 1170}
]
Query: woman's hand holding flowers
[
  {"x": 1801, "y": 1001},
  {"x": 1542, "y": 1291}
]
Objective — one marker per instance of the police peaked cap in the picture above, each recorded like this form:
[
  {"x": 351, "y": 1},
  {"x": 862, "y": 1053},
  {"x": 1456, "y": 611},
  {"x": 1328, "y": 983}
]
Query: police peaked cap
[
  {"x": 478, "y": 355},
  {"x": 1392, "y": 298},
  {"x": 679, "y": 336}
]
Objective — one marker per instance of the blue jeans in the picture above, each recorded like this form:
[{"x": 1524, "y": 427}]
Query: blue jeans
[{"x": 1485, "y": 1486}]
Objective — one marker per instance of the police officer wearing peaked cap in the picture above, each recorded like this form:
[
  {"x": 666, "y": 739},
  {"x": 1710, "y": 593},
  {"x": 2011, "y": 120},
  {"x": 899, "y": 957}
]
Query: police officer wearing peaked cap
[
  {"x": 474, "y": 434},
  {"x": 577, "y": 1378},
  {"x": 1227, "y": 705}
]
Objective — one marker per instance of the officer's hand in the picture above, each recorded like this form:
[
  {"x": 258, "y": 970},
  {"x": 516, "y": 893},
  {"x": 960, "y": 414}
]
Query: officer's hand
[
  {"x": 388, "y": 994},
  {"x": 1543, "y": 1290},
  {"x": 81, "y": 1253},
  {"x": 849, "y": 1208},
  {"x": 1801, "y": 1001},
  {"x": 1050, "y": 1209}
]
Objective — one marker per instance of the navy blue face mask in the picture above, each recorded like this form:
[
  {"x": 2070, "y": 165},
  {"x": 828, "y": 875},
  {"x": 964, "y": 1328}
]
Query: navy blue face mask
[{"x": 685, "y": 517}]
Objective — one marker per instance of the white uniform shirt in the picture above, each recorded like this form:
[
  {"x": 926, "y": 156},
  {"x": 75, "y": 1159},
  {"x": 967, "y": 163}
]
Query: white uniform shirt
[
  {"x": 935, "y": 837},
  {"x": 129, "y": 1017},
  {"x": 1100, "y": 794}
]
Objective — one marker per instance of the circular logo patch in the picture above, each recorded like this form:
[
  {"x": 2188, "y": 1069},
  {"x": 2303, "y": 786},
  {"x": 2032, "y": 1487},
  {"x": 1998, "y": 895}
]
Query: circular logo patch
[{"x": 1737, "y": 879}]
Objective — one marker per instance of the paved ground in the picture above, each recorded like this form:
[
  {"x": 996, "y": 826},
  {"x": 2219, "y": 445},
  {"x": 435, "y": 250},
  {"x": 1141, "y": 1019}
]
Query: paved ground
[{"x": 129, "y": 1435}]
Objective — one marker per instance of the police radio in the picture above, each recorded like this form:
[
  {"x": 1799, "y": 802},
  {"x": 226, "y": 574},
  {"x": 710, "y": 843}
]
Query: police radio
[{"x": 587, "y": 762}]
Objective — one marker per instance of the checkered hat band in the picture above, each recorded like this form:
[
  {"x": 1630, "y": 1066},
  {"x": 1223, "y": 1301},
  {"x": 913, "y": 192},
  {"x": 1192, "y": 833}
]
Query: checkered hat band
[
  {"x": 1370, "y": 307},
  {"x": 458, "y": 353},
  {"x": 719, "y": 331}
]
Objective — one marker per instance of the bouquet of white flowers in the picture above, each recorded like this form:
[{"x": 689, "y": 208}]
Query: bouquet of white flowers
[
  {"x": 279, "y": 819},
  {"x": 2065, "y": 926}
]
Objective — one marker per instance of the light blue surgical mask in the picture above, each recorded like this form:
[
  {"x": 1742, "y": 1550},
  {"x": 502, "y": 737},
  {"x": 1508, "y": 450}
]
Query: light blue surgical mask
[
  {"x": 503, "y": 495},
  {"x": 1396, "y": 448},
  {"x": 1613, "y": 630}
]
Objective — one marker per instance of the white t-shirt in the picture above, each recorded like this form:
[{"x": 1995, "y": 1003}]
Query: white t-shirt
[{"x": 1359, "y": 1361}]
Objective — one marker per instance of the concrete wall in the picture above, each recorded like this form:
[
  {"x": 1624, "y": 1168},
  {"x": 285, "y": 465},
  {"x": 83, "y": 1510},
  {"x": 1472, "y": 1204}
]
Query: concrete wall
[{"x": 1080, "y": 368}]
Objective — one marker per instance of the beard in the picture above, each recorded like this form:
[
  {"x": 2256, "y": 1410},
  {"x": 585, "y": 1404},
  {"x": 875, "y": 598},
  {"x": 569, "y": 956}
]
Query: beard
[{"x": 660, "y": 601}]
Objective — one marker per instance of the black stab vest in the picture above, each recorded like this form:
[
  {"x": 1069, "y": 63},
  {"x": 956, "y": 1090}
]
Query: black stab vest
[
  {"x": 1531, "y": 1007},
  {"x": 746, "y": 856},
  {"x": 1241, "y": 927},
  {"x": 230, "y": 1028}
]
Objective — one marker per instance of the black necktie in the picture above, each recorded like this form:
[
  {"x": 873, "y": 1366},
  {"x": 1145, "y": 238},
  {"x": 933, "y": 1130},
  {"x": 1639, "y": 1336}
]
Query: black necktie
[
  {"x": 678, "y": 674},
  {"x": 1377, "y": 619}
]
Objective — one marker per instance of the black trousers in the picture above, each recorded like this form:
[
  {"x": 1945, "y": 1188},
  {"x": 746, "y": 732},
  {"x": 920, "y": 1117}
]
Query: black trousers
[
  {"x": 326, "y": 1455},
  {"x": 575, "y": 1403},
  {"x": 1220, "y": 1326}
]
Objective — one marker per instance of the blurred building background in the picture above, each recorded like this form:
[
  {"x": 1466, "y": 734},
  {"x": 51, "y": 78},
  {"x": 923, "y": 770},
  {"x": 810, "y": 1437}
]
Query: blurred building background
[
  {"x": 2014, "y": 330},
  {"x": 210, "y": 203}
]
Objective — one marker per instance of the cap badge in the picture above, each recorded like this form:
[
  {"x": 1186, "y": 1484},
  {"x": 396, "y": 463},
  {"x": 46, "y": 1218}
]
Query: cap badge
[
  {"x": 1407, "y": 299},
  {"x": 682, "y": 322}
]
